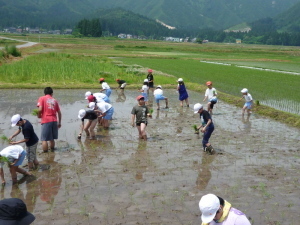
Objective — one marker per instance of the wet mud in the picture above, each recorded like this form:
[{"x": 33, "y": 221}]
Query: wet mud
[{"x": 117, "y": 179}]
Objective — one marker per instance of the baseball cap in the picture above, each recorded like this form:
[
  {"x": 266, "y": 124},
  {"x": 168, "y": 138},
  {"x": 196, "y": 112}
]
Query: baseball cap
[
  {"x": 101, "y": 79},
  {"x": 117, "y": 79},
  {"x": 81, "y": 113},
  {"x": 197, "y": 107},
  {"x": 140, "y": 97},
  {"x": 208, "y": 83},
  {"x": 146, "y": 80},
  {"x": 87, "y": 94},
  {"x": 245, "y": 90},
  {"x": 15, "y": 119},
  {"x": 209, "y": 205},
  {"x": 91, "y": 98},
  {"x": 158, "y": 86},
  {"x": 92, "y": 105},
  {"x": 13, "y": 211},
  {"x": 150, "y": 70},
  {"x": 180, "y": 80}
]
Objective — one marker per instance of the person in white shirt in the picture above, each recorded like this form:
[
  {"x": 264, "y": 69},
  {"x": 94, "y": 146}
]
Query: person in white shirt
[
  {"x": 106, "y": 111},
  {"x": 211, "y": 96},
  {"x": 248, "y": 101},
  {"x": 158, "y": 94},
  {"x": 105, "y": 87},
  {"x": 14, "y": 155},
  {"x": 144, "y": 91}
]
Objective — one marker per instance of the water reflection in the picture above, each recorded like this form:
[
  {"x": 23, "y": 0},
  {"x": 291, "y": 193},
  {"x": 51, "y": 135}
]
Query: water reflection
[
  {"x": 246, "y": 124},
  {"x": 121, "y": 97},
  {"x": 204, "y": 174}
]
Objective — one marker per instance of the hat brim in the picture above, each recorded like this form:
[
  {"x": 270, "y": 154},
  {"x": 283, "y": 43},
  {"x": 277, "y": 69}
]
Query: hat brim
[
  {"x": 26, "y": 220},
  {"x": 14, "y": 124},
  {"x": 208, "y": 218}
]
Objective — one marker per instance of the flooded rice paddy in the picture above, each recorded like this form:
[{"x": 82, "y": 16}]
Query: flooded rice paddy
[{"x": 117, "y": 179}]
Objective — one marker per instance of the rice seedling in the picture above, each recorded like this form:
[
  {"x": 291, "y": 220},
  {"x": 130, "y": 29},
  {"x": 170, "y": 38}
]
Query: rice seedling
[
  {"x": 4, "y": 138},
  {"x": 35, "y": 112}
]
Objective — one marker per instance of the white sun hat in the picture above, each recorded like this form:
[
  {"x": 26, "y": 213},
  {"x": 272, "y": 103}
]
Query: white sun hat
[
  {"x": 245, "y": 90},
  {"x": 81, "y": 113},
  {"x": 15, "y": 119},
  {"x": 180, "y": 80},
  {"x": 146, "y": 80},
  {"x": 197, "y": 107},
  {"x": 87, "y": 94},
  {"x": 92, "y": 105},
  {"x": 209, "y": 205}
]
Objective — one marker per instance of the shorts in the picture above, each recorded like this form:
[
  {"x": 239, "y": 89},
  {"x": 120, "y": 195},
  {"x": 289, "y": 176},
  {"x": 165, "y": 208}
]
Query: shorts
[
  {"x": 151, "y": 85},
  {"x": 123, "y": 86},
  {"x": 248, "y": 105},
  {"x": 108, "y": 114},
  {"x": 159, "y": 97},
  {"x": 212, "y": 102},
  {"x": 31, "y": 152},
  {"x": 49, "y": 131},
  {"x": 21, "y": 159},
  {"x": 108, "y": 92},
  {"x": 145, "y": 95},
  {"x": 138, "y": 124}
]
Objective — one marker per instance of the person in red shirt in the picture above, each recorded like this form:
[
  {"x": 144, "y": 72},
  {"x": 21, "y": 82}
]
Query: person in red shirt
[{"x": 50, "y": 115}]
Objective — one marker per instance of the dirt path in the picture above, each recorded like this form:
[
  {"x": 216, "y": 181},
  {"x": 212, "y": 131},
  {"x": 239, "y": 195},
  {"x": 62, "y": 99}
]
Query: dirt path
[
  {"x": 26, "y": 43},
  {"x": 117, "y": 179}
]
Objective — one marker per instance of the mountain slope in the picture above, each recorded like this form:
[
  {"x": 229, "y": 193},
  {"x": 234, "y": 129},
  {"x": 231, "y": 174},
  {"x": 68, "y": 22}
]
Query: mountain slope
[{"x": 289, "y": 20}]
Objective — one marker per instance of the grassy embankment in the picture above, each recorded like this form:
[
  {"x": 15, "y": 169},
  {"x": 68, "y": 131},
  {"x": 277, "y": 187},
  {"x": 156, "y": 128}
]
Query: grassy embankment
[{"x": 85, "y": 60}]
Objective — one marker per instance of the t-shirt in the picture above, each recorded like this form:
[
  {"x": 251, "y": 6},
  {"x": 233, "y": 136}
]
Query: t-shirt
[
  {"x": 205, "y": 116},
  {"x": 50, "y": 108},
  {"x": 145, "y": 88},
  {"x": 90, "y": 115},
  {"x": 141, "y": 112},
  {"x": 99, "y": 96},
  {"x": 150, "y": 78},
  {"x": 247, "y": 97},
  {"x": 103, "y": 106},
  {"x": 105, "y": 86},
  {"x": 210, "y": 93},
  {"x": 28, "y": 132},
  {"x": 12, "y": 151},
  {"x": 158, "y": 91},
  {"x": 235, "y": 217}
]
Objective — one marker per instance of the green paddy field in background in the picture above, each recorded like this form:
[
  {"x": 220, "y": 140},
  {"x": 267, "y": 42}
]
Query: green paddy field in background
[{"x": 80, "y": 62}]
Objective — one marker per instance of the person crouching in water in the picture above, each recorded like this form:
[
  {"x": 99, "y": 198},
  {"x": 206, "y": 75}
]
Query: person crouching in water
[
  {"x": 159, "y": 95},
  {"x": 105, "y": 87},
  {"x": 211, "y": 96},
  {"x": 106, "y": 111},
  {"x": 139, "y": 114},
  {"x": 183, "y": 95},
  {"x": 207, "y": 127},
  {"x": 89, "y": 127},
  {"x": 144, "y": 91}
]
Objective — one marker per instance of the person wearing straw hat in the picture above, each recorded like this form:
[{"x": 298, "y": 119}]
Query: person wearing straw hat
[
  {"x": 211, "y": 96},
  {"x": 217, "y": 211},
  {"x": 139, "y": 115},
  {"x": 183, "y": 95},
  {"x": 92, "y": 118},
  {"x": 105, "y": 87},
  {"x": 248, "y": 101},
  {"x": 13, "y": 211},
  {"x": 30, "y": 138},
  {"x": 207, "y": 127}
]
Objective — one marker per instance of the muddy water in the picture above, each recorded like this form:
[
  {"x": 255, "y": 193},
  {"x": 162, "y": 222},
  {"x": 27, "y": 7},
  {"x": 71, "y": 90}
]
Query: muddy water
[{"x": 118, "y": 179}]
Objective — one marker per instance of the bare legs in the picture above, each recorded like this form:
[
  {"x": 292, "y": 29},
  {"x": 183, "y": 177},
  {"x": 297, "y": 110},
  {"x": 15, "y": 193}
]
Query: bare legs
[{"x": 142, "y": 131}]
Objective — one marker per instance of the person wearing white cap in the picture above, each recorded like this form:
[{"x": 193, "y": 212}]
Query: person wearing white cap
[
  {"x": 211, "y": 96},
  {"x": 91, "y": 116},
  {"x": 96, "y": 97},
  {"x": 183, "y": 95},
  {"x": 144, "y": 91},
  {"x": 217, "y": 211},
  {"x": 207, "y": 127},
  {"x": 159, "y": 95},
  {"x": 30, "y": 138},
  {"x": 106, "y": 111},
  {"x": 248, "y": 101}
]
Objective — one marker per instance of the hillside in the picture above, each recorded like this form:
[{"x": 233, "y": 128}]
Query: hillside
[
  {"x": 289, "y": 20},
  {"x": 187, "y": 14}
]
